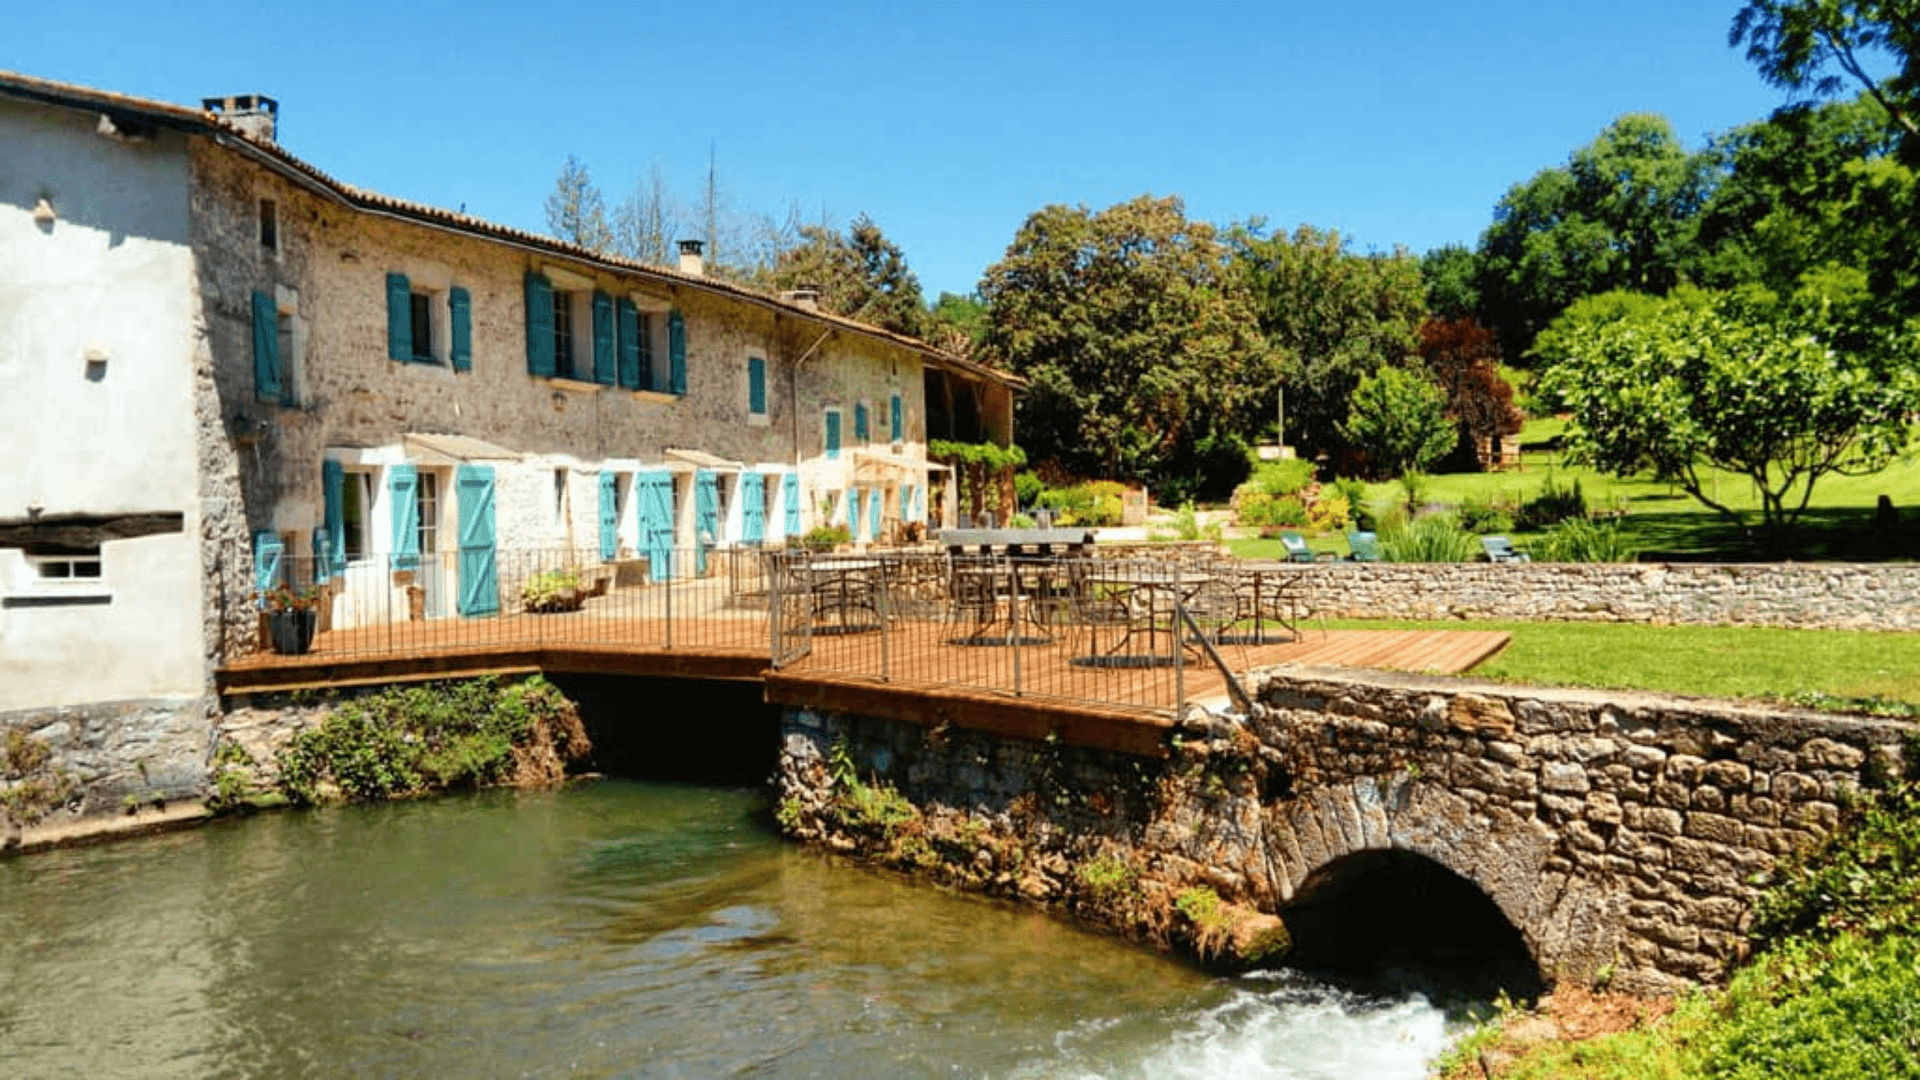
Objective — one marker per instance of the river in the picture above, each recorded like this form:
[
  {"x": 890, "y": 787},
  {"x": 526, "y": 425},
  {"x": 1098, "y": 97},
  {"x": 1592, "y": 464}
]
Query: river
[{"x": 613, "y": 929}]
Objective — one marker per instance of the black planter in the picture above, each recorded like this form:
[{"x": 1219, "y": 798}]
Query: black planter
[{"x": 292, "y": 631}]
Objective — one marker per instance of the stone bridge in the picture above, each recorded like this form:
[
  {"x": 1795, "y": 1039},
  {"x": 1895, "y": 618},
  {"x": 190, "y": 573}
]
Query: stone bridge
[{"x": 1619, "y": 837}]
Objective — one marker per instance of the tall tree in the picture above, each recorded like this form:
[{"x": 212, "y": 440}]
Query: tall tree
[
  {"x": 860, "y": 274},
  {"x": 1451, "y": 273},
  {"x": 1619, "y": 215},
  {"x": 1464, "y": 361},
  {"x": 1332, "y": 316},
  {"x": 957, "y": 323},
  {"x": 1138, "y": 339},
  {"x": 1798, "y": 44},
  {"x": 648, "y": 221},
  {"x": 575, "y": 211},
  {"x": 1737, "y": 382},
  {"x": 1399, "y": 417}
]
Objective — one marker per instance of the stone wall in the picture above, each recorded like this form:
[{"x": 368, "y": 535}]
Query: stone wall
[
  {"x": 1624, "y": 835},
  {"x": 1813, "y": 595}
]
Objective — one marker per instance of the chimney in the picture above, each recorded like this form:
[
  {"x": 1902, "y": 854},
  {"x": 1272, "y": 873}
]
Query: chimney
[
  {"x": 806, "y": 296},
  {"x": 690, "y": 261},
  {"x": 256, "y": 114}
]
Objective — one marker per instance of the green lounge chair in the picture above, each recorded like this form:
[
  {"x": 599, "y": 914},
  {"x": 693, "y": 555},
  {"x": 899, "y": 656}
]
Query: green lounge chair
[
  {"x": 1296, "y": 545},
  {"x": 1365, "y": 546}
]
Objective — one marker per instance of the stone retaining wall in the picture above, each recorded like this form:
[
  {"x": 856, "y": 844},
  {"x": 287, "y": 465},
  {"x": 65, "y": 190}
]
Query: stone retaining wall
[
  {"x": 1855, "y": 596},
  {"x": 1624, "y": 835}
]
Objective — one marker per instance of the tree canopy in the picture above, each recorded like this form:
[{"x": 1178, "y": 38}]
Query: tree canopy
[
  {"x": 1463, "y": 359},
  {"x": 1137, "y": 337},
  {"x": 575, "y": 211},
  {"x": 1799, "y": 44},
  {"x": 860, "y": 274},
  {"x": 1332, "y": 317},
  {"x": 1743, "y": 383},
  {"x": 1619, "y": 215},
  {"x": 1397, "y": 419}
]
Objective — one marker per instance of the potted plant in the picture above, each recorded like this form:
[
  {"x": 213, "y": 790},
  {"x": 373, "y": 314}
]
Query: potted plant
[
  {"x": 292, "y": 615},
  {"x": 554, "y": 590},
  {"x": 824, "y": 538}
]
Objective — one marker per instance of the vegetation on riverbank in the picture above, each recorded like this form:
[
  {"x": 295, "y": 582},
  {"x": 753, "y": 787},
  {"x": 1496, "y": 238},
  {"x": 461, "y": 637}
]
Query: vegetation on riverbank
[
  {"x": 411, "y": 740},
  {"x": 1833, "y": 990},
  {"x": 31, "y": 784}
]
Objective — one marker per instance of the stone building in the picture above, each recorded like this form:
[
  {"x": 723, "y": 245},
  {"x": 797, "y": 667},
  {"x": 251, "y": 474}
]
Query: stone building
[{"x": 214, "y": 356}]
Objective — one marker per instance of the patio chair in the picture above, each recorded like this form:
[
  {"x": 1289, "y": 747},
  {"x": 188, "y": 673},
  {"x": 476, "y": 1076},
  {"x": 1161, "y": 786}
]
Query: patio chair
[
  {"x": 1501, "y": 549},
  {"x": 1296, "y": 545},
  {"x": 1364, "y": 547}
]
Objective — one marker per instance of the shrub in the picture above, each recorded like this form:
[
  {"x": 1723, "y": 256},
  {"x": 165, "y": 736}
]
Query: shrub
[
  {"x": 1486, "y": 514},
  {"x": 1355, "y": 492},
  {"x": 826, "y": 537},
  {"x": 1581, "y": 540},
  {"x": 1328, "y": 513},
  {"x": 1284, "y": 477},
  {"x": 1027, "y": 487},
  {"x": 1096, "y": 503},
  {"x": 1186, "y": 526},
  {"x": 1415, "y": 484},
  {"x": 1435, "y": 538},
  {"x": 1551, "y": 506},
  {"x": 553, "y": 590},
  {"x": 1254, "y": 507},
  {"x": 1847, "y": 1007}
]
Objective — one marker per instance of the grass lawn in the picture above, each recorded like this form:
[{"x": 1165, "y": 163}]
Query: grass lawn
[
  {"x": 1664, "y": 523},
  {"x": 1711, "y": 661}
]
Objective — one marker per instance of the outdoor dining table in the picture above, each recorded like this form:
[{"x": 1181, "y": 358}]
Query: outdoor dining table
[
  {"x": 1009, "y": 598},
  {"x": 1275, "y": 589},
  {"x": 847, "y": 595},
  {"x": 1151, "y": 594}
]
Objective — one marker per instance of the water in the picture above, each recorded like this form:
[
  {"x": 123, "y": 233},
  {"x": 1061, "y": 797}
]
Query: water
[{"x": 617, "y": 929}]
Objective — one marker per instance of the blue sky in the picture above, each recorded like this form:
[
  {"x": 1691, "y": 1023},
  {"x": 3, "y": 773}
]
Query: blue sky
[{"x": 1394, "y": 122}]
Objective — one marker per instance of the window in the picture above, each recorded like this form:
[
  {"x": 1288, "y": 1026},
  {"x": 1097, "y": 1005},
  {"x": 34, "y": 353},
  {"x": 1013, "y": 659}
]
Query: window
[
  {"x": 859, "y": 421},
  {"x": 833, "y": 434},
  {"x": 559, "y": 496},
  {"x": 276, "y": 347},
  {"x": 55, "y": 564},
  {"x": 898, "y": 418},
  {"x": 563, "y": 333},
  {"x": 420, "y": 311},
  {"x": 269, "y": 225},
  {"x": 356, "y": 496},
  {"x": 428, "y": 496}
]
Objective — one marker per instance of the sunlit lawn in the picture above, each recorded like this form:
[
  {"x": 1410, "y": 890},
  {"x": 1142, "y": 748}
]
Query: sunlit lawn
[{"x": 1710, "y": 661}]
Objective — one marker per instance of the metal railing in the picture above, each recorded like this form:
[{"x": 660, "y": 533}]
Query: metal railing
[
  {"x": 1115, "y": 632},
  {"x": 450, "y": 601}
]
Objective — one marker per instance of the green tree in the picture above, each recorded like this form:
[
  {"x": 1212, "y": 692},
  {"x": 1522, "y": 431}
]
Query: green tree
[
  {"x": 1136, "y": 337},
  {"x": 1798, "y": 44},
  {"x": 1399, "y": 421},
  {"x": 1332, "y": 316},
  {"x": 575, "y": 211},
  {"x": 1451, "y": 273},
  {"x": 861, "y": 275},
  {"x": 957, "y": 323},
  {"x": 1742, "y": 383},
  {"x": 1619, "y": 215}
]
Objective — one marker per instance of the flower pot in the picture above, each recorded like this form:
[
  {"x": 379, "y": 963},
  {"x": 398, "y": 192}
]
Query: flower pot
[{"x": 291, "y": 631}]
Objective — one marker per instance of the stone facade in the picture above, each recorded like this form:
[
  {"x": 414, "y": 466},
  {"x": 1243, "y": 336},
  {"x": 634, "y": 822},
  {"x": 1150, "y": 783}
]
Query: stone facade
[
  {"x": 1624, "y": 835},
  {"x": 1810, "y": 595}
]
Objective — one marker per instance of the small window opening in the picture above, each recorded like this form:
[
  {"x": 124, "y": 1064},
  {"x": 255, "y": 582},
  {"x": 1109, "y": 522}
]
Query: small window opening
[
  {"x": 283, "y": 325},
  {"x": 559, "y": 496},
  {"x": 563, "y": 333},
  {"x": 59, "y": 562},
  {"x": 421, "y": 307},
  {"x": 269, "y": 225}
]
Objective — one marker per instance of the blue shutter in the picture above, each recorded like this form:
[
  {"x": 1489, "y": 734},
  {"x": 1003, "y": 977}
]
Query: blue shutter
[
  {"x": 478, "y": 566},
  {"x": 706, "y": 519},
  {"x": 461, "y": 307},
  {"x": 609, "y": 516},
  {"x": 873, "y": 513},
  {"x": 790, "y": 496},
  {"x": 906, "y": 502},
  {"x": 333, "y": 482},
  {"x": 653, "y": 503},
  {"x": 756, "y": 385},
  {"x": 539, "y": 326},
  {"x": 676, "y": 352},
  {"x": 627, "y": 329},
  {"x": 403, "y": 485},
  {"x": 266, "y": 349},
  {"x": 399, "y": 317},
  {"x": 833, "y": 434},
  {"x": 897, "y": 421},
  {"x": 919, "y": 504},
  {"x": 267, "y": 552},
  {"x": 859, "y": 422},
  {"x": 606, "y": 366},
  {"x": 753, "y": 507}
]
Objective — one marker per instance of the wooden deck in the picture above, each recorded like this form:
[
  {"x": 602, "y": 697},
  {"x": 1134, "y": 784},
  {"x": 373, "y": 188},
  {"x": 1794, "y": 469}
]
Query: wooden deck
[{"x": 916, "y": 674}]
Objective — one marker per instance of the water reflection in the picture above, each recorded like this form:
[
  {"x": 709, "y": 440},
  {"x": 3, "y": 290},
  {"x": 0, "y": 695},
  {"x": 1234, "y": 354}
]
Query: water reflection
[{"x": 614, "y": 930}]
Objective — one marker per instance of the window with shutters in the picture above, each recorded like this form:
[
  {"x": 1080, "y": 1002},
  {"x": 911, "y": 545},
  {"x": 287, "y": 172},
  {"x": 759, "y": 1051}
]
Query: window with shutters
[
  {"x": 429, "y": 319},
  {"x": 356, "y": 497},
  {"x": 279, "y": 340},
  {"x": 420, "y": 311}
]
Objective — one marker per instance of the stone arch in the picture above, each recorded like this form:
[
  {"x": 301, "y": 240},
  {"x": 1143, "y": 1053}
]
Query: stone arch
[{"x": 1569, "y": 926}]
